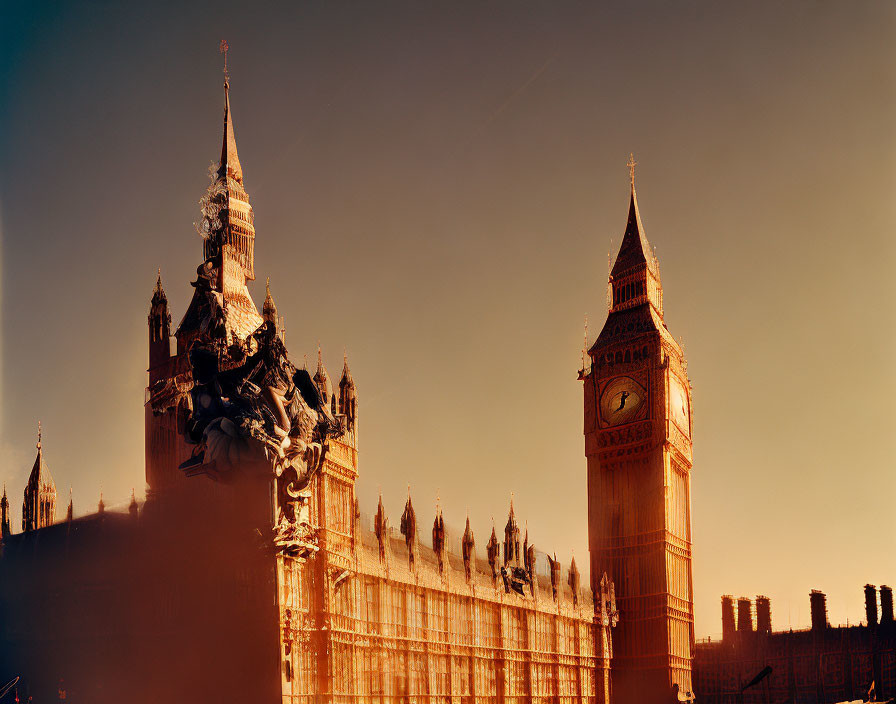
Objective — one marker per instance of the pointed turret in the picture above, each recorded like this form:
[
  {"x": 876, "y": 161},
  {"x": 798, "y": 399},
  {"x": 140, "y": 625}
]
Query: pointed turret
[
  {"x": 409, "y": 529},
  {"x": 574, "y": 581},
  {"x": 159, "y": 330},
  {"x": 438, "y": 538},
  {"x": 493, "y": 550},
  {"x": 5, "y": 530},
  {"x": 511, "y": 539},
  {"x": 133, "y": 509},
  {"x": 70, "y": 511},
  {"x": 39, "y": 505},
  {"x": 380, "y": 528},
  {"x": 101, "y": 506},
  {"x": 467, "y": 546},
  {"x": 347, "y": 402},
  {"x": 269, "y": 308},
  {"x": 322, "y": 379},
  {"x": 554, "y": 566}
]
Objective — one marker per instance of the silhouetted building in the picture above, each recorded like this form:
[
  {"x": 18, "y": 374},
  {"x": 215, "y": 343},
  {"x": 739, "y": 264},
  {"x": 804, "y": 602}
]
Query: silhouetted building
[
  {"x": 763, "y": 615},
  {"x": 821, "y": 665}
]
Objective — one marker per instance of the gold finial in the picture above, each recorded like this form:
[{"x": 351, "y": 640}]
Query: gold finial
[
  {"x": 267, "y": 286},
  {"x": 222, "y": 48},
  {"x": 631, "y": 167},
  {"x": 39, "y": 434}
]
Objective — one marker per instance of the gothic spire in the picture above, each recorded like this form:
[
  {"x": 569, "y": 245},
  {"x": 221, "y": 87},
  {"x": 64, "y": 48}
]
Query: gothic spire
[
  {"x": 380, "y": 527},
  {"x": 230, "y": 160},
  {"x": 467, "y": 545},
  {"x": 408, "y": 528},
  {"x": 269, "y": 308},
  {"x": 39, "y": 506},
  {"x": 346, "y": 379},
  {"x": 322, "y": 378},
  {"x": 635, "y": 249},
  {"x": 158, "y": 293},
  {"x": 438, "y": 537},
  {"x": 4, "y": 515}
]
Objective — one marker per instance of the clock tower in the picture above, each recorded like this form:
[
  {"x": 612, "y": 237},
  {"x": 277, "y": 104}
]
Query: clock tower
[{"x": 638, "y": 448}]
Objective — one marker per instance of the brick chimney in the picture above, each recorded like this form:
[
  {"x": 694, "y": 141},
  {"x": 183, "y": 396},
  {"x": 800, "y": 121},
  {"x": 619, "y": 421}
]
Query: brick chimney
[
  {"x": 728, "y": 623},
  {"x": 744, "y": 615},
  {"x": 871, "y": 604},
  {"x": 886, "y": 604},
  {"x": 763, "y": 615},
  {"x": 819, "y": 608}
]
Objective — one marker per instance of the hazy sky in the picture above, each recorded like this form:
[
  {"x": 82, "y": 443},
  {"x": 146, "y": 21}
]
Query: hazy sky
[{"x": 436, "y": 188}]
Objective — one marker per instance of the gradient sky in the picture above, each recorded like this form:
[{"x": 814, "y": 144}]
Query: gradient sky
[{"x": 436, "y": 188}]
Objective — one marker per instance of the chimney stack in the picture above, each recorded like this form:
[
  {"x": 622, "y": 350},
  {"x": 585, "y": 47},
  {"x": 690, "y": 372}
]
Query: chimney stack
[
  {"x": 886, "y": 604},
  {"x": 744, "y": 614},
  {"x": 819, "y": 607},
  {"x": 728, "y": 623},
  {"x": 763, "y": 615},
  {"x": 871, "y": 604}
]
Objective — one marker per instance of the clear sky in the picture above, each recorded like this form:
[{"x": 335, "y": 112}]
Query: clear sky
[{"x": 437, "y": 187}]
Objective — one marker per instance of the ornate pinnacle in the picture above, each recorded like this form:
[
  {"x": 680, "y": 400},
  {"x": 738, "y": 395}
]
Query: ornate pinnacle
[
  {"x": 223, "y": 47},
  {"x": 631, "y": 167}
]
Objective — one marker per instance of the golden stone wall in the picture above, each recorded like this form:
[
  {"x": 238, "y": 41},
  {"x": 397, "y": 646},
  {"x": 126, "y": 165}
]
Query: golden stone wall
[{"x": 357, "y": 626}]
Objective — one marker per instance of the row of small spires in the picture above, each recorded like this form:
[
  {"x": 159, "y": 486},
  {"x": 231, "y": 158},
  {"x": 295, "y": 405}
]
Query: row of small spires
[
  {"x": 817, "y": 606},
  {"x": 516, "y": 558}
]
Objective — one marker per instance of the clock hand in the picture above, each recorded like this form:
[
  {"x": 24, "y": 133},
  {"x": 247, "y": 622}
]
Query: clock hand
[{"x": 624, "y": 396}]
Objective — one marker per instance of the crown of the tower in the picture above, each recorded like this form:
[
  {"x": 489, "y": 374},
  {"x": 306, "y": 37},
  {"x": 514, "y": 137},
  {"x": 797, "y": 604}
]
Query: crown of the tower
[
  {"x": 228, "y": 232},
  {"x": 635, "y": 277},
  {"x": 637, "y": 293}
]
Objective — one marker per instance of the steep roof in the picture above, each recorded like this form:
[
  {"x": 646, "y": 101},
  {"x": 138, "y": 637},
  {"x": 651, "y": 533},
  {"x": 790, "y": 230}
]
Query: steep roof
[
  {"x": 635, "y": 250},
  {"x": 40, "y": 477}
]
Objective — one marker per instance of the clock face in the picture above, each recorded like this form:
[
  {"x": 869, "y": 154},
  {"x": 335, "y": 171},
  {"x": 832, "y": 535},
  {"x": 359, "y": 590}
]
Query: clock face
[
  {"x": 678, "y": 404},
  {"x": 622, "y": 401}
]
